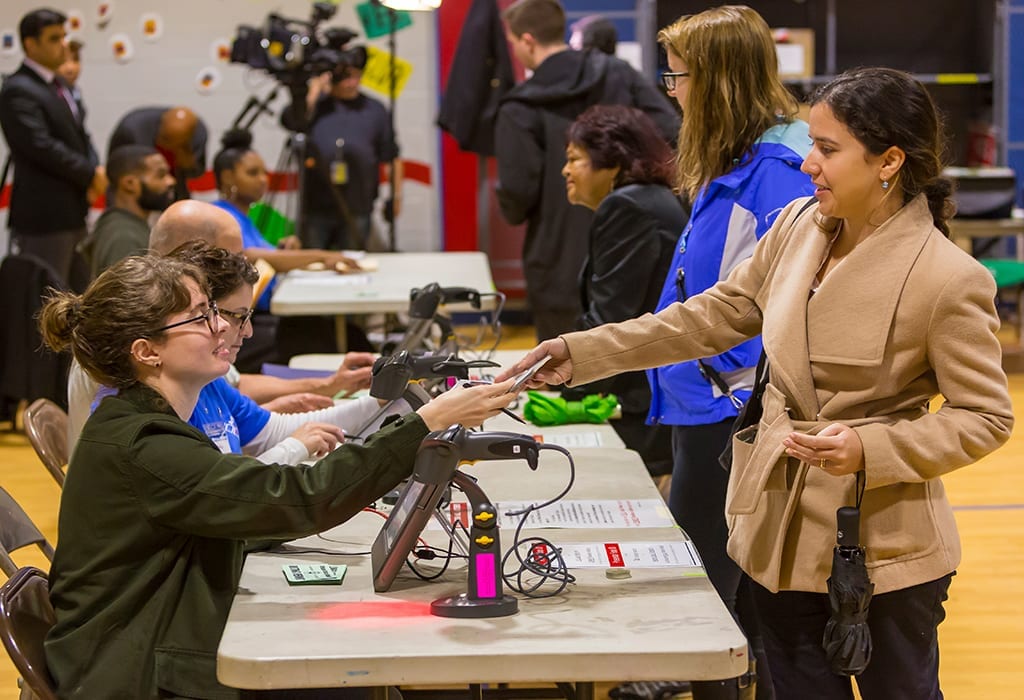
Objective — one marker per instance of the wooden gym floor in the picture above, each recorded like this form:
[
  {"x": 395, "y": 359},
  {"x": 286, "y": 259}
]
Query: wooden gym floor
[{"x": 982, "y": 639}]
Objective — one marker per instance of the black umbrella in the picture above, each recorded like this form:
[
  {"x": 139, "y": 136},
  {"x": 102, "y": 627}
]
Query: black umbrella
[{"x": 847, "y": 639}]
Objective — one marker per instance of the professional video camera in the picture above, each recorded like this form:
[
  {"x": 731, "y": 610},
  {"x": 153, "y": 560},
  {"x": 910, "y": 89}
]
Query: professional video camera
[{"x": 293, "y": 50}]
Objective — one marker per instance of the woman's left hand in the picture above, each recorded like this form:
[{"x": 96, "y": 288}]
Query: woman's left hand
[{"x": 836, "y": 450}]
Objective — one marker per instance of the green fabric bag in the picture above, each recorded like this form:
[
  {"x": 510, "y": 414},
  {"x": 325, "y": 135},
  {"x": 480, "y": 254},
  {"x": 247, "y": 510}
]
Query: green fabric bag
[
  {"x": 554, "y": 410},
  {"x": 271, "y": 223}
]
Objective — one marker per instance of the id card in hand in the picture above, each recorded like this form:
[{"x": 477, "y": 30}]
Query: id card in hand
[{"x": 313, "y": 574}]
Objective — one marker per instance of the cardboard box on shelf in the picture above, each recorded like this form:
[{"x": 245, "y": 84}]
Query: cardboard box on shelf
[{"x": 795, "y": 48}]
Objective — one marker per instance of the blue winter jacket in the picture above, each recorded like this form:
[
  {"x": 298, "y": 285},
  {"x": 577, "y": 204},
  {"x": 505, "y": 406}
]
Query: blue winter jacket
[{"x": 729, "y": 216}]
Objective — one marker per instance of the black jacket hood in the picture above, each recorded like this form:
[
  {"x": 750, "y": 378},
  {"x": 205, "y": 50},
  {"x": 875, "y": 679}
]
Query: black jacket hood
[{"x": 565, "y": 76}]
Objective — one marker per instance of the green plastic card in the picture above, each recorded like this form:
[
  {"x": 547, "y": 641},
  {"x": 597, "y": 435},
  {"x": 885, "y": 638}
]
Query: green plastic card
[{"x": 313, "y": 574}]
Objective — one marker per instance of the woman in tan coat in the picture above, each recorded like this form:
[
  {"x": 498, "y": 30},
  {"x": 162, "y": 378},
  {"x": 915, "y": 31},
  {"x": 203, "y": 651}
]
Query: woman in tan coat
[{"x": 867, "y": 312}]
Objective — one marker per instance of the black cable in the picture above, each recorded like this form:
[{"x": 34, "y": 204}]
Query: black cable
[
  {"x": 449, "y": 555},
  {"x": 543, "y": 561}
]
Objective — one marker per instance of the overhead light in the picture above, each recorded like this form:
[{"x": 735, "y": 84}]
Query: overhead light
[{"x": 412, "y": 5}]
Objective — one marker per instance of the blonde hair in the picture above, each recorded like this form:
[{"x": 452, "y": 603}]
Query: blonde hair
[
  {"x": 734, "y": 94},
  {"x": 126, "y": 302}
]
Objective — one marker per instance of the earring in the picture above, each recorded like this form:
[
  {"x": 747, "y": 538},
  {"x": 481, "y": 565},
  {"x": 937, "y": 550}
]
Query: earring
[
  {"x": 234, "y": 190},
  {"x": 885, "y": 184},
  {"x": 157, "y": 363}
]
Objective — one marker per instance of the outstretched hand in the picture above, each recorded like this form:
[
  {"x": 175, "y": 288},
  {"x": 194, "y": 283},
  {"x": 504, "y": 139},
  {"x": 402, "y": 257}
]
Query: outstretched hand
[
  {"x": 467, "y": 406},
  {"x": 557, "y": 370}
]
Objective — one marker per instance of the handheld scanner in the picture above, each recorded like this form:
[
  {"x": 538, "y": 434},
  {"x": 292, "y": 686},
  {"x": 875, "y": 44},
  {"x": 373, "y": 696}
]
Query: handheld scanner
[
  {"x": 442, "y": 365},
  {"x": 498, "y": 445},
  {"x": 423, "y": 302},
  {"x": 438, "y": 456},
  {"x": 452, "y": 294},
  {"x": 390, "y": 375}
]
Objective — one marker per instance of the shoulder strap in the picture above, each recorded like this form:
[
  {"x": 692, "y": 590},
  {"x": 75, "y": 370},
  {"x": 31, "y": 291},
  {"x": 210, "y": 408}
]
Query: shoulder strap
[{"x": 761, "y": 373}]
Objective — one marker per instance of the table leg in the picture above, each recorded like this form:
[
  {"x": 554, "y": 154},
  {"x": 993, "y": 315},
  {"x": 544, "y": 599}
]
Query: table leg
[
  {"x": 585, "y": 690},
  {"x": 340, "y": 333},
  {"x": 379, "y": 692}
]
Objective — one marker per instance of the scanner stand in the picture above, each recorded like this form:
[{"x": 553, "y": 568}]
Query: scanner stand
[{"x": 484, "y": 596}]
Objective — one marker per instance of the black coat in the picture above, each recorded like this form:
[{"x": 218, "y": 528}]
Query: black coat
[
  {"x": 28, "y": 370},
  {"x": 54, "y": 161},
  {"x": 632, "y": 238},
  {"x": 530, "y": 146},
  {"x": 480, "y": 75}
]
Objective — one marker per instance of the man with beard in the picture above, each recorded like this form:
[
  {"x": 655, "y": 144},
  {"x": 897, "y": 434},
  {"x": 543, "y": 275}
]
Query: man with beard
[{"x": 141, "y": 183}]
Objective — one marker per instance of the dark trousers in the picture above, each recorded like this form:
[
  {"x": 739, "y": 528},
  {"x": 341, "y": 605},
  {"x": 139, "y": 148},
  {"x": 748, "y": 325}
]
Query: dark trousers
[
  {"x": 57, "y": 248},
  {"x": 331, "y": 232},
  {"x": 904, "y": 632},
  {"x": 697, "y": 502}
]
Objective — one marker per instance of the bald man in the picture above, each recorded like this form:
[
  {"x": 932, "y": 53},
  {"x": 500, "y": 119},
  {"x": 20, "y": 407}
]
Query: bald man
[
  {"x": 190, "y": 219},
  {"x": 176, "y": 132}
]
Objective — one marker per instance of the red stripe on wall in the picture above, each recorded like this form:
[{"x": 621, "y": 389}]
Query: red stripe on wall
[{"x": 416, "y": 171}]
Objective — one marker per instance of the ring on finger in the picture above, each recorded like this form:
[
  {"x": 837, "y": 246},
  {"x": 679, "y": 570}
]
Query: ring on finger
[{"x": 823, "y": 463}]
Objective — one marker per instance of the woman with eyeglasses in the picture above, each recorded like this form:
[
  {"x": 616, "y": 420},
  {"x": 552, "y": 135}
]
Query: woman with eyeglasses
[
  {"x": 153, "y": 516},
  {"x": 234, "y": 422}
]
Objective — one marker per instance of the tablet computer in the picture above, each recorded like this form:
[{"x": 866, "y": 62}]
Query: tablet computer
[{"x": 436, "y": 462}]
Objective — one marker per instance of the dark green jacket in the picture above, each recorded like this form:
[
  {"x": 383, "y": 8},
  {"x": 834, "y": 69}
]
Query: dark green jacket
[{"x": 151, "y": 525}]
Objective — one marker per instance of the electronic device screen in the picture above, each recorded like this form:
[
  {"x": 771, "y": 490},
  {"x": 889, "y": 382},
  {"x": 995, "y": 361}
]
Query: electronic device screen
[{"x": 410, "y": 514}]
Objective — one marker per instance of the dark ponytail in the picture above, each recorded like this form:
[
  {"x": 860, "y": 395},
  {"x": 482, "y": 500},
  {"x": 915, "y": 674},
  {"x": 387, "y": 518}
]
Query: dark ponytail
[{"x": 883, "y": 107}]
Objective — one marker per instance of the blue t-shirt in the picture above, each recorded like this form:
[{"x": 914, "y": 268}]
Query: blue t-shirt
[
  {"x": 224, "y": 414},
  {"x": 227, "y": 417},
  {"x": 251, "y": 238}
]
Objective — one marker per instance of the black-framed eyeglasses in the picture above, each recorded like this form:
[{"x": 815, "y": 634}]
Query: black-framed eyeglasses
[
  {"x": 210, "y": 316},
  {"x": 669, "y": 79},
  {"x": 239, "y": 319}
]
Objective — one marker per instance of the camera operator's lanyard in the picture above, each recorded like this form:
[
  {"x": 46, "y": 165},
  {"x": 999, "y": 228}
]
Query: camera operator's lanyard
[{"x": 709, "y": 373}]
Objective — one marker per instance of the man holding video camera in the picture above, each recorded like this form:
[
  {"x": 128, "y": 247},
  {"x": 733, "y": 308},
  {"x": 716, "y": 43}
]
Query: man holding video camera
[{"x": 350, "y": 138}]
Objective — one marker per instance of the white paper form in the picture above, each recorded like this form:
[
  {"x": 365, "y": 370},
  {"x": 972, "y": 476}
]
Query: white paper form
[
  {"x": 637, "y": 555},
  {"x": 650, "y": 512}
]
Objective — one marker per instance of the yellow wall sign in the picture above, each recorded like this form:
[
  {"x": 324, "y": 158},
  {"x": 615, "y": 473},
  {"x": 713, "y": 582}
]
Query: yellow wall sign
[{"x": 377, "y": 74}]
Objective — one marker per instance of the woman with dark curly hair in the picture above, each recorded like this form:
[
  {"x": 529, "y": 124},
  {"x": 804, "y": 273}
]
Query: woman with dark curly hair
[{"x": 618, "y": 165}]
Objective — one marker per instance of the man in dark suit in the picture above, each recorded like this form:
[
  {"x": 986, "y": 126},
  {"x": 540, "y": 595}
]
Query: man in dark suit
[
  {"x": 176, "y": 132},
  {"x": 55, "y": 169}
]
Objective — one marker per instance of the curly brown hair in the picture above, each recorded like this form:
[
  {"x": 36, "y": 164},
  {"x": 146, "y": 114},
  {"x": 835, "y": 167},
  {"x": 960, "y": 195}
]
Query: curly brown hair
[
  {"x": 623, "y": 137},
  {"x": 225, "y": 272}
]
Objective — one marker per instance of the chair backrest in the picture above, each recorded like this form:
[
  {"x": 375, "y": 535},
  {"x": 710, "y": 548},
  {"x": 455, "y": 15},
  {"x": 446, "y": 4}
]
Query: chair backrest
[
  {"x": 26, "y": 616},
  {"x": 16, "y": 531},
  {"x": 46, "y": 425}
]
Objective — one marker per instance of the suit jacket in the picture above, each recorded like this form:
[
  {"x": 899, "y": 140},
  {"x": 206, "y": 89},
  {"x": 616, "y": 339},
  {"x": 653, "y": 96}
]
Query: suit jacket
[
  {"x": 54, "y": 161},
  {"x": 906, "y": 315}
]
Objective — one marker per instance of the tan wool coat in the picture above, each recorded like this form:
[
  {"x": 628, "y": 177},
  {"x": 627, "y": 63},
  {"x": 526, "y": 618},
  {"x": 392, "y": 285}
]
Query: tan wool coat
[{"x": 904, "y": 317}]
